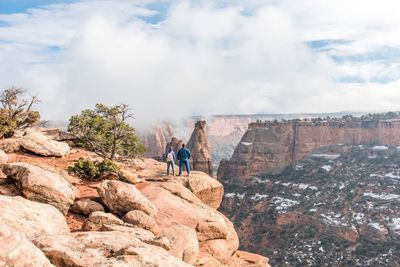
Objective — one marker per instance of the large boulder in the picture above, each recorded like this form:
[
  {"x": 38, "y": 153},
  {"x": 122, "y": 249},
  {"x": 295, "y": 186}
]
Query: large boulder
[
  {"x": 32, "y": 218},
  {"x": 97, "y": 219},
  {"x": 140, "y": 219},
  {"x": 176, "y": 204},
  {"x": 121, "y": 198},
  {"x": 86, "y": 206},
  {"x": 10, "y": 145},
  {"x": 206, "y": 188},
  {"x": 41, "y": 185},
  {"x": 40, "y": 144},
  {"x": 113, "y": 248},
  {"x": 17, "y": 251},
  {"x": 184, "y": 242}
]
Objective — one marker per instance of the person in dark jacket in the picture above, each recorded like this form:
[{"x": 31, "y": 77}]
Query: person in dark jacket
[
  {"x": 170, "y": 158},
  {"x": 183, "y": 157}
]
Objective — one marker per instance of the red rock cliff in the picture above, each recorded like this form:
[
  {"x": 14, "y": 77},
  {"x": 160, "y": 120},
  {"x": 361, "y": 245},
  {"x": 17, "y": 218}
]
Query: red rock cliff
[{"x": 270, "y": 146}]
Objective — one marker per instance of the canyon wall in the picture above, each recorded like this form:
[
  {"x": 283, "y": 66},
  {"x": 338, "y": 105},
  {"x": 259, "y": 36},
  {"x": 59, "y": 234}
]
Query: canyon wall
[{"x": 270, "y": 146}]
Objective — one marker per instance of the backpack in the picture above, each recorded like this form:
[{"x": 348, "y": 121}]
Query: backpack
[{"x": 170, "y": 156}]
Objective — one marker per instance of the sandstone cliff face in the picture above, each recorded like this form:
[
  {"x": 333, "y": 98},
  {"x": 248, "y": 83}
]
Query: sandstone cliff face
[
  {"x": 149, "y": 219},
  {"x": 270, "y": 146},
  {"x": 200, "y": 149},
  {"x": 156, "y": 139}
]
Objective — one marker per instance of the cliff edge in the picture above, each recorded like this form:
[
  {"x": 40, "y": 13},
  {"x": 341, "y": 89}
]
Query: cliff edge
[{"x": 50, "y": 218}]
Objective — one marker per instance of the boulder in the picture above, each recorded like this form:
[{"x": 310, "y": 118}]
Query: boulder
[
  {"x": 176, "y": 204},
  {"x": 140, "y": 219},
  {"x": 17, "y": 251},
  {"x": 184, "y": 242},
  {"x": 86, "y": 206},
  {"x": 142, "y": 234},
  {"x": 121, "y": 198},
  {"x": 222, "y": 249},
  {"x": 97, "y": 219},
  {"x": 10, "y": 145},
  {"x": 211, "y": 230},
  {"x": 206, "y": 188},
  {"x": 3, "y": 157},
  {"x": 40, "y": 144},
  {"x": 113, "y": 248},
  {"x": 31, "y": 218},
  {"x": 41, "y": 185}
]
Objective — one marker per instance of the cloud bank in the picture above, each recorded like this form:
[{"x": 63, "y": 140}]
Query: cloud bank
[{"x": 172, "y": 59}]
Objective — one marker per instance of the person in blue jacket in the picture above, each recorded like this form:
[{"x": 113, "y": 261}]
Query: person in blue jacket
[{"x": 183, "y": 157}]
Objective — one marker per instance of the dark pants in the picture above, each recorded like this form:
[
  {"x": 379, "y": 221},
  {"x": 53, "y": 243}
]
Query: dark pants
[
  {"x": 171, "y": 164},
  {"x": 187, "y": 165}
]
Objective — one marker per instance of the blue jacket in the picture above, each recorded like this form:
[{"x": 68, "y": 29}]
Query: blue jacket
[{"x": 184, "y": 154}]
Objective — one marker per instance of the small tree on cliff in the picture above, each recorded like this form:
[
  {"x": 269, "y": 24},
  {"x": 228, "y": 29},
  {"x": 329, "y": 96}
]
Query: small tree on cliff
[
  {"x": 105, "y": 131},
  {"x": 16, "y": 111}
]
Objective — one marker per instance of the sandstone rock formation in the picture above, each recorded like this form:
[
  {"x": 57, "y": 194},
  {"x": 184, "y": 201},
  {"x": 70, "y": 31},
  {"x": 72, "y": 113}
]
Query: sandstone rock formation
[
  {"x": 162, "y": 221},
  {"x": 98, "y": 219},
  {"x": 86, "y": 206},
  {"x": 140, "y": 219},
  {"x": 121, "y": 198},
  {"x": 156, "y": 139},
  {"x": 17, "y": 251},
  {"x": 40, "y": 144},
  {"x": 200, "y": 149},
  {"x": 3, "y": 157},
  {"x": 112, "y": 248},
  {"x": 270, "y": 146},
  {"x": 41, "y": 185},
  {"x": 31, "y": 218}
]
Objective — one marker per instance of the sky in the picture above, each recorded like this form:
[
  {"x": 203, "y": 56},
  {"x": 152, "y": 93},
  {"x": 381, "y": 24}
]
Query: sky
[{"x": 173, "y": 59}]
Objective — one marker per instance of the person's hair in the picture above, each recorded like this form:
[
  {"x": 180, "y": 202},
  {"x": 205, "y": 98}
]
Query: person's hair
[{"x": 183, "y": 145}]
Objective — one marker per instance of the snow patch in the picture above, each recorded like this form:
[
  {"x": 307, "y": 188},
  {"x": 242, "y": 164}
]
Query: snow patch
[
  {"x": 380, "y": 148},
  {"x": 258, "y": 196},
  {"x": 382, "y": 196}
]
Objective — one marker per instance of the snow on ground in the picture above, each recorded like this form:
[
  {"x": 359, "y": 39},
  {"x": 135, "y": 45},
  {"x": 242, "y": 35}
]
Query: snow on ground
[
  {"x": 283, "y": 203},
  {"x": 377, "y": 226},
  {"x": 259, "y": 180},
  {"x": 246, "y": 143},
  {"x": 327, "y": 168},
  {"x": 395, "y": 225},
  {"x": 380, "y": 148},
  {"x": 331, "y": 218},
  {"x": 231, "y": 195},
  {"x": 326, "y": 156},
  {"x": 382, "y": 196},
  {"x": 359, "y": 217},
  {"x": 258, "y": 196},
  {"x": 392, "y": 175}
]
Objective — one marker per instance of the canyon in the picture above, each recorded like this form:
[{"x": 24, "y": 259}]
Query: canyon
[{"x": 317, "y": 192}]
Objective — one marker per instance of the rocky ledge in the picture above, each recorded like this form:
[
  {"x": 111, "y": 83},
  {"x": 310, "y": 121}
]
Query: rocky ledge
[{"x": 49, "y": 218}]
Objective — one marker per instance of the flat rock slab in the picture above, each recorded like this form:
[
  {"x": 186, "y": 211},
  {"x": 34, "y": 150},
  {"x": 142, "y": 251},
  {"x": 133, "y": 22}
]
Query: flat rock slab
[
  {"x": 112, "y": 248},
  {"x": 32, "y": 218},
  {"x": 17, "y": 251}
]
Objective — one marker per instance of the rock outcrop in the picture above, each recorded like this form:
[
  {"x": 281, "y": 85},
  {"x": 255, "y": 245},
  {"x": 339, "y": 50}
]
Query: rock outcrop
[
  {"x": 271, "y": 146},
  {"x": 16, "y": 250},
  {"x": 31, "y": 218},
  {"x": 149, "y": 220},
  {"x": 200, "y": 149},
  {"x": 121, "y": 198},
  {"x": 41, "y": 185},
  {"x": 38, "y": 143},
  {"x": 113, "y": 248}
]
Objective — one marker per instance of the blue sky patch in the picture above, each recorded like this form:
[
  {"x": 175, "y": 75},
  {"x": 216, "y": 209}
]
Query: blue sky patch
[{"x": 18, "y": 6}]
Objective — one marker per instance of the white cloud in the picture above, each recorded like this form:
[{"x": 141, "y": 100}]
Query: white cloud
[{"x": 202, "y": 58}]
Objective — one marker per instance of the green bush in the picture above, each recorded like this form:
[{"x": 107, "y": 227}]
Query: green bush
[
  {"x": 16, "y": 111},
  {"x": 92, "y": 170},
  {"x": 105, "y": 131}
]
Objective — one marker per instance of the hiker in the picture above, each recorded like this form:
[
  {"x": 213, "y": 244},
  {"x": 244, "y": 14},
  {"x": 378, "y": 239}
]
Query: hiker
[
  {"x": 183, "y": 157},
  {"x": 170, "y": 158}
]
